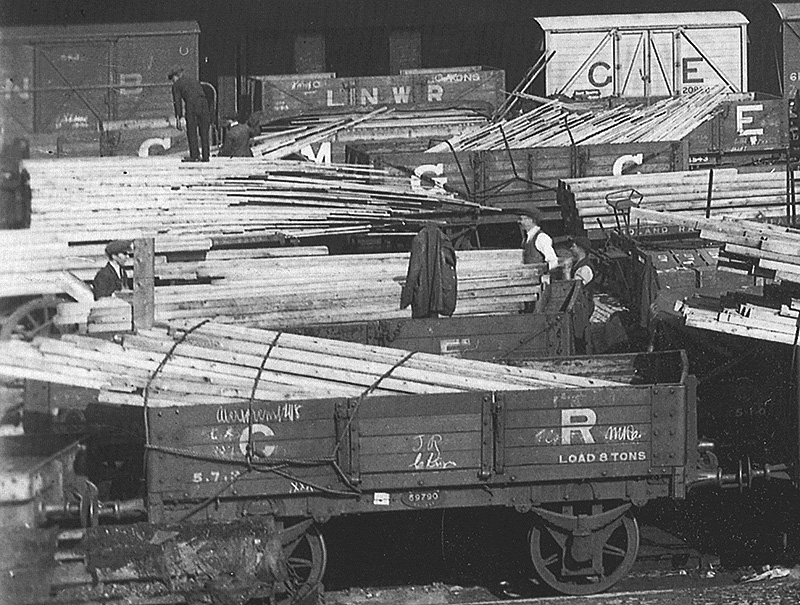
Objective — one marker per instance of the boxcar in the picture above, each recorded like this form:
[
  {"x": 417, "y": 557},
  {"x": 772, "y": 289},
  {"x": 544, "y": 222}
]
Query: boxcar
[
  {"x": 93, "y": 89},
  {"x": 645, "y": 55}
]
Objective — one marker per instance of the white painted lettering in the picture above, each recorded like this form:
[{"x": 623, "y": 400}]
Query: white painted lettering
[
  {"x": 426, "y": 170},
  {"x": 578, "y": 420},
  {"x": 331, "y": 102},
  {"x": 435, "y": 93},
  {"x": 284, "y": 412},
  {"x": 261, "y": 429},
  {"x": 323, "y": 155},
  {"x": 23, "y": 92},
  {"x": 589, "y": 457},
  {"x": 147, "y": 144},
  {"x": 369, "y": 97},
  {"x": 401, "y": 94},
  {"x": 745, "y": 118},
  {"x": 622, "y": 433},
  {"x": 428, "y": 454},
  {"x": 128, "y": 81},
  {"x": 626, "y": 160}
]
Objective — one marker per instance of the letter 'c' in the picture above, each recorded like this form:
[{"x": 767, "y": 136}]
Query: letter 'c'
[{"x": 593, "y": 80}]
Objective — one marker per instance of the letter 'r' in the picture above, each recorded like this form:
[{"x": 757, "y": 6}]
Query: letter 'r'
[{"x": 578, "y": 420}]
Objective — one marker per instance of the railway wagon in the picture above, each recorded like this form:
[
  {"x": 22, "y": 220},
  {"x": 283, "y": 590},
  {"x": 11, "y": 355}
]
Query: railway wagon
[
  {"x": 288, "y": 95},
  {"x": 248, "y": 487},
  {"x": 93, "y": 89},
  {"x": 560, "y": 317},
  {"x": 523, "y": 178},
  {"x": 645, "y": 55}
]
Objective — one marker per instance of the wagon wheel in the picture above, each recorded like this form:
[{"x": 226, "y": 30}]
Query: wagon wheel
[
  {"x": 584, "y": 554},
  {"x": 34, "y": 318},
  {"x": 307, "y": 559}
]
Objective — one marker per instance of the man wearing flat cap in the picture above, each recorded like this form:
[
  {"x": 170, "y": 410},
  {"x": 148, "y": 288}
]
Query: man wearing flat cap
[
  {"x": 112, "y": 278},
  {"x": 537, "y": 246},
  {"x": 188, "y": 91},
  {"x": 582, "y": 266}
]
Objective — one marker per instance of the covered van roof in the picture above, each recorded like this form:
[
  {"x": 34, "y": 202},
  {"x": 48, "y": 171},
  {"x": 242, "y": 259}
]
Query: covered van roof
[
  {"x": 40, "y": 33},
  {"x": 647, "y": 20},
  {"x": 788, "y": 11}
]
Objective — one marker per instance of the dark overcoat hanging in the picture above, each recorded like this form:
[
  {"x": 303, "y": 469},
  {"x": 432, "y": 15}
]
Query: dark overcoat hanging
[{"x": 431, "y": 286}]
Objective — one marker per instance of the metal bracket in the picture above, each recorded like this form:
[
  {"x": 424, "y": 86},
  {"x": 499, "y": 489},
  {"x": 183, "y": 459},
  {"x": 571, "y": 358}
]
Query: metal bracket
[{"x": 347, "y": 435}]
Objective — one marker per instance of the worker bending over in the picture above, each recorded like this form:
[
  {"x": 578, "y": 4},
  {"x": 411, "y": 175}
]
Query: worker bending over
[
  {"x": 237, "y": 138},
  {"x": 188, "y": 91}
]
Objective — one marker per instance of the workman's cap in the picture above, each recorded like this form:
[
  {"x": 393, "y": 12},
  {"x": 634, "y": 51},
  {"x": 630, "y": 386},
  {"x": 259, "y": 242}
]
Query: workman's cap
[
  {"x": 532, "y": 213},
  {"x": 582, "y": 242},
  {"x": 174, "y": 71},
  {"x": 117, "y": 246}
]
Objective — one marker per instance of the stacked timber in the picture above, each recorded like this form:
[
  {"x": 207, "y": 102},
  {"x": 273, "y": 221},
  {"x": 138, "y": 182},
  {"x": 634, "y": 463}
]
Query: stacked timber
[
  {"x": 749, "y": 247},
  {"x": 224, "y": 197},
  {"x": 80, "y": 204},
  {"x": 300, "y": 133},
  {"x": 216, "y": 364},
  {"x": 280, "y": 145},
  {"x": 33, "y": 266},
  {"x": 593, "y": 203},
  {"x": 556, "y": 124},
  {"x": 284, "y": 292},
  {"x": 749, "y": 320}
]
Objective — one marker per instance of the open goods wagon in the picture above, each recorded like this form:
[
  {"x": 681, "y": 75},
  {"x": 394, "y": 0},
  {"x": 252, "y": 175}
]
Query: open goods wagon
[
  {"x": 233, "y": 496},
  {"x": 244, "y": 489},
  {"x": 561, "y": 316}
]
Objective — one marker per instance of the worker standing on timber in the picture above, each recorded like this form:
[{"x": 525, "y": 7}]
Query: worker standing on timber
[
  {"x": 188, "y": 91},
  {"x": 237, "y": 138},
  {"x": 112, "y": 278}
]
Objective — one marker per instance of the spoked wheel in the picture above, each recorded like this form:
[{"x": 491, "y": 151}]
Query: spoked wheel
[
  {"x": 33, "y": 318},
  {"x": 307, "y": 559},
  {"x": 580, "y": 554}
]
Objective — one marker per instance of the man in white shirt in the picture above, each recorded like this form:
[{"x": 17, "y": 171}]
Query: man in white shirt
[{"x": 537, "y": 246}]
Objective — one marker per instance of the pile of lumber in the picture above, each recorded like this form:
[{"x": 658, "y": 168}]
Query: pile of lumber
[
  {"x": 89, "y": 199},
  {"x": 289, "y": 291},
  {"x": 80, "y": 204},
  {"x": 33, "y": 266},
  {"x": 556, "y": 124},
  {"x": 749, "y": 247},
  {"x": 285, "y": 137},
  {"x": 218, "y": 364},
  {"x": 749, "y": 320},
  {"x": 749, "y": 195}
]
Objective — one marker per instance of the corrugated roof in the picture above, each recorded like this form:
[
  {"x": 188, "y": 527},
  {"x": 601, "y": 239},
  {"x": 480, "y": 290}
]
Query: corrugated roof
[
  {"x": 788, "y": 11},
  {"x": 40, "y": 33},
  {"x": 640, "y": 21}
]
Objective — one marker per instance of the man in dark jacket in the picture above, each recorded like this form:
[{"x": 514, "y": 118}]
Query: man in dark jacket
[
  {"x": 582, "y": 267},
  {"x": 237, "y": 139},
  {"x": 187, "y": 91},
  {"x": 431, "y": 284},
  {"x": 112, "y": 278}
]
